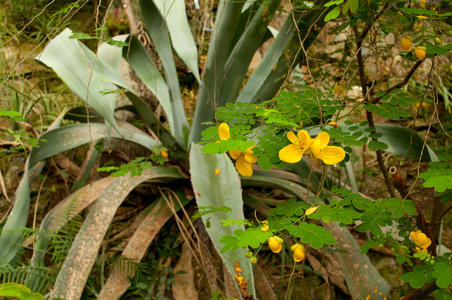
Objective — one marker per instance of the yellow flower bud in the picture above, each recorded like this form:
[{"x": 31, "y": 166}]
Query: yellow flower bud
[
  {"x": 420, "y": 239},
  {"x": 164, "y": 153},
  {"x": 406, "y": 43},
  {"x": 298, "y": 253},
  {"x": 420, "y": 52},
  {"x": 265, "y": 228},
  {"x": 274, "y": 244},
  {"x": 311, "y": 210}
]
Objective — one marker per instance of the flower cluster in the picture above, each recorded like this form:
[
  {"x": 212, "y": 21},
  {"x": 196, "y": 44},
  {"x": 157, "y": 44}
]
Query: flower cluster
[
  {"x": 244, "y": 160},
  {"x": 293, "y": 153},
  {"x": 318, "y": 148}
]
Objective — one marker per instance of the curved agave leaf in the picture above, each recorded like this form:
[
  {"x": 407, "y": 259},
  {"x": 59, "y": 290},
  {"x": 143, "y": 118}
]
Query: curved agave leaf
[
  {"x": 217, "y": 190},
  {"x": 228, "y": 17},
  {"x": 69, "y": 137},
  {"x": 58, "y": 140},
  {"x": 112, "y": 55},
  {"x": 404, "y": 141},
  {"x": 359, "y": 282},
  {"x": 80, "y": 259},
  {"x": 175, "y": 15},
  {"x": 118, "y": 281},
  {"x": 73, "y": 63},
  {"x": 244, "y": 50},
  {"x": 158, "y": 32},
  {"x": 142, "y": 64},
  {"x": 10, "y": 240}
]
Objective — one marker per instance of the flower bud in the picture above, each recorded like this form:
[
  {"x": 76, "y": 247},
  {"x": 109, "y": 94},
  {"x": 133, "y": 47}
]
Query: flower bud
[
  {"x": 275, "y": 244},
  {"x": 407, "y": 43},
  {"x": 420, "y": 52}
]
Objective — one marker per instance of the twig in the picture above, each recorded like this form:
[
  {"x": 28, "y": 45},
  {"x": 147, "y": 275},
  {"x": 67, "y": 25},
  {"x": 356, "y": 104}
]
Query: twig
[
  {"x": 401, "y": 83},
  {"x": 422, "y": 223},
  {"x": 369, "y": 115}
]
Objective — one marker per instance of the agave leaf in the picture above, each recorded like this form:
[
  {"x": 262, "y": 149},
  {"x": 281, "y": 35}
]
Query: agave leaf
[
  {"x": 270, "y": 82},
  {"x": 57, "y": 141},
  {"x": 175, "y": 15},
  {"x": 10, "y": 240},
  {"x": 118, "y": 281},
  {"x": 69, "y": 137},
  {"x": 239, "y": 60},
  {"x": 218, "y": 190},
  {"x": 80, "y": 259},
  {"x": 269, "y": 61},
  {"x": 112, "y": 55},
  {"x": 158, "y": 32},
  {"x": 68, "y": 58},
  {"x": 142, "y": 64},
  {"x": 360, "y": 283},
  {"x": 404, "y": 141},
  {"x": 228, "y": 17}
]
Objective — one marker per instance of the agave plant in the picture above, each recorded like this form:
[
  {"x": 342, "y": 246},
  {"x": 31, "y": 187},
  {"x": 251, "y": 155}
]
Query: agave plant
[{"x": 240, "y": 29}]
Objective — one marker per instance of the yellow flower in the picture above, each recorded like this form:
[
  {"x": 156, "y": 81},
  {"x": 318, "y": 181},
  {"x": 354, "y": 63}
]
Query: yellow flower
[
  {"x": 330, "y": 155},
  {"x": 298, "y": 252},
  {"x": 420, "y": 239},
  {"x": 311, "y": 210},
  {"x": 334, "y": 124},
  {"x": 294, "y": 152},
  {"x": 422, "y": 17},
  {"x": 164, "y": 153},
  {"x": 420, "y": 52},
  {"x": 265, "y": 228},
  {"x": 406, "y": 43},
  {"x": 244, "y": 160},
  {"x": 217, "y": 171},
  {"x": 275, "y": 244},
  {"x": 223, "y": 131}
]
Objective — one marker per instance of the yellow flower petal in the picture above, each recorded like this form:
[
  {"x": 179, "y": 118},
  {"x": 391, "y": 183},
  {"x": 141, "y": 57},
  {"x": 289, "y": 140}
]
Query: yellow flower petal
[
  {"x": 243, "y": 167},
  {"x": 324, "y": 139},
  {"x": 235, "y": 154},
  {"x": 249, "y": 155},
  {"x": 332, "y": 155},
  {"x": 315, "y": 149},
  {"x": 311, "y": 210},
  {"x": 250, "y": 158},
  {"x": 291, "y": 154},
  {"x": 223, "y": 131},
  {"x": 292, "y": 137},
  {"x": 304, "y": 138}
]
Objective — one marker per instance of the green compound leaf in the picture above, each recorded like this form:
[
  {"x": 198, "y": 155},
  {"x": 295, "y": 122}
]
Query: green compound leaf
[
  {"x": 419, "y": 276},
  {"x": 442, "y": 294},
  {"x": 399, "y": 207},
  {"x": 253, "y": 237},
  {"x": 387, "y": 110},
  {"x": 443, "y": 274},
  {"x": 438, "y": 176},
  {"x": 312, "y": 234},
  {"x": 289, "y": 208}
]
